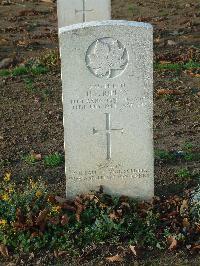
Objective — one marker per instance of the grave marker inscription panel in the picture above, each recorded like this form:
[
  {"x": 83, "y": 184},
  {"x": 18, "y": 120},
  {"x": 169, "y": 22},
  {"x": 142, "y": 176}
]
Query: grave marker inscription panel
[
  {"x": 78, "y": 11},
  {"x": 108, "y": 107}
]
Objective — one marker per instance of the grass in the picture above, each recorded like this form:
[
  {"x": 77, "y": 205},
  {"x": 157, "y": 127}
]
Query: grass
[
  {"x": 186, "y": 155},
  {"x": 184, "y": 173},
  {"x": 24, "y": 70},
  {"x": 36, "y": 66},
  {"x": 29, "y": 83},
  {"x": 177, "y": 66},
  {"x": 164, "y": 155},
  {"x": 53, "y": 160},
  {"x": 29, "y": 159}
]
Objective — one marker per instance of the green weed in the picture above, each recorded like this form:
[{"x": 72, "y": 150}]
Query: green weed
[
  {"x": 184, "y": 173},
  {"x": 50, "y": 59},
  {"x": 4, "y": 73},
  {"x": 186, "y": 154},
  {"x": 53, "y": 160},
  {"x": 20, "y": 71},
  {"x": 177, "y": 66},
  {"x": 30, "y": 159},
  {"x": 29, "y": 83},
  {"x": 164, "y": 155},
  {"x": 24, "y": 70},
  {"x": 38, "y": 70}
]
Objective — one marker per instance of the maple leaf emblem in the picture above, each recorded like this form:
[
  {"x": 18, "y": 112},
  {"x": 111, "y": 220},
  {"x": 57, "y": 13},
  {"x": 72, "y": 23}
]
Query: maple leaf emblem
[{"x": 106, "y": 58}]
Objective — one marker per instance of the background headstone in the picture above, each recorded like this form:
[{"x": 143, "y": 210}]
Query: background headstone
[
  {"x": 107, "y": 76},
  {"x": 78, "y": 11}
]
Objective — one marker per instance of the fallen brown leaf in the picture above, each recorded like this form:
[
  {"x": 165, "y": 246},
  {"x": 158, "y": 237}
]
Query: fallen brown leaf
[
  {"x": 4, "y": 250},
  {"x": 68, "y": 207},
  {"x": 195, "y": 75},
  {"x": 163, "y": 62},
  {"x": 173, "y": 242},
  {"x": 47, "y": 1},
  {"x": 168, "y": 92},
  {"x": 115, "y": 258},
  {"x": 196, "y": 248},
  {"x": 79, "y": 208},
  {"x": 36, "y": 156},
  {"x": 184, "y": 207},
  {"x": 133, "y": 249},
  {"x": 64, "y": 219},
  {"x": 113, "y": 215},
  {"x": 42, "y": 216},
  {"x": 186, "y": 223}
]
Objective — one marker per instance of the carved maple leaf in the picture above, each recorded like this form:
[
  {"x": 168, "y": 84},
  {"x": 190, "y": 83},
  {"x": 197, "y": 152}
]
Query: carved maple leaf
[{"x": 107, "y": 57}]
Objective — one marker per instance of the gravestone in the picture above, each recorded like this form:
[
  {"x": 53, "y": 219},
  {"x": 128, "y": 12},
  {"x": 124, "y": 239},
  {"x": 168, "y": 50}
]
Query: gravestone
[
  {"x": 108, "y": 107},
  {"x": 77, "y": 11}
]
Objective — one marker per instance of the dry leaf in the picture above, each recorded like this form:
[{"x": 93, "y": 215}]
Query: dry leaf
[
  {"x": 36, "y": 156},
  {"x": 54, "y": 220},
  {"x": 79, "y": 208},
  {"x": 173, "y": 242},
  {"x": 196, "y": 248},
  {"x": 195, "y": 75},
  {"x": 186, "y": 223},
  {"x": 47, "y": 1},
  {"x": 184, "y": 207},
  {"x": 115, "y": 258},
  {"x": 64, "y": 220},
  {"x": 68, "y": 207},
  {"x": 133, "y": 250},
  {"x": 113, "y": 216},
  {"x": 168, "y": 92},
  {"x": 42, "y": 216},
  {"x": 4, "y": 250},
  {"x": 163, "y": 62}
]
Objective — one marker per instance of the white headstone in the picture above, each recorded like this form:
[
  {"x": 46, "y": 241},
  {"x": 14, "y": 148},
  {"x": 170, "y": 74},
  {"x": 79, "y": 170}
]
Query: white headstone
[
  {"x": 107, "y": 76},
  {"x": 78, "y": 11}
]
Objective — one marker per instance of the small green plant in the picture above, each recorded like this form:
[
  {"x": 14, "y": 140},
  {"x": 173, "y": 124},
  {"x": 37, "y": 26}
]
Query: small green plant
[
  {"x": 168, "y": 66},
  {"x": 131, "y": 8},
  {"x": 188, "y": 146},
  {"x": 50, "y": 59},
  {"x": 19, "y": 71},
  {"x": 164, "y": 155},
  {"x": 192, "y": 65},
  {"x": 39, "y": 70},
  {"x": 24, "y": 70},
  {"x": 4, "y": 162},
  {"x": 177, "y": 66},
  {"x": 53, "y": 160},
  {"x": 184, "y": 173},
  {"x": 32, "y": 158},
  {"x": 4, "y": 73},
  {"x": 169, "y": 98},
  {"x": 29, "y": 83}
]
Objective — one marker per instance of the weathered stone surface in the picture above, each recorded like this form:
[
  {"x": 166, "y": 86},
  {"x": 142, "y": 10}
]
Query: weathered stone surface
[
  {"x": 108, "y": 107},
  {"x": 77, "y": 11}
]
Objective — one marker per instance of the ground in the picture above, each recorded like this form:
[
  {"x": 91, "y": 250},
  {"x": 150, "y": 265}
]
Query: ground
[{"x": 31, "y": 105}]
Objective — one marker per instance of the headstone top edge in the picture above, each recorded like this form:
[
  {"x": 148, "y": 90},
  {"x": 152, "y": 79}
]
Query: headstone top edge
[{"x": 105, "y": 23}]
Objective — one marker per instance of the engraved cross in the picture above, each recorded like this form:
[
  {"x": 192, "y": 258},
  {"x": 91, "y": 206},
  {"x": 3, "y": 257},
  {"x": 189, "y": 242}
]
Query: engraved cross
[
  {"x": 84, "y": 10},
  {"x": 109, "y": 130}
]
